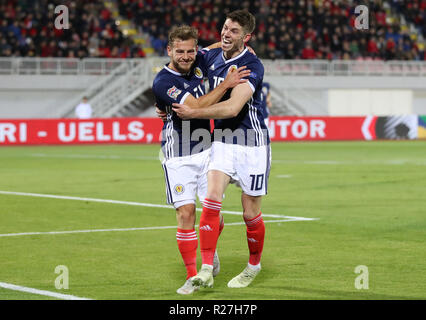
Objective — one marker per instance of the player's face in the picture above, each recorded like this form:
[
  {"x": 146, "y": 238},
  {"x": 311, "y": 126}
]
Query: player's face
[
  {"x": 233, "y": 37},
  {"x": 182, "y": 55}
]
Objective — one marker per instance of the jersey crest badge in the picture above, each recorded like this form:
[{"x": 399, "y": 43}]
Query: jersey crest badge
[
  {"x": 233, "y": 67},
  {"x": 198, "y": 73}
]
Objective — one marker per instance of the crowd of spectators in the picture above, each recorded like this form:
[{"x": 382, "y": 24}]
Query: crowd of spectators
[
  {"x": 288, "y": 29},
  {"x": 285, "y": 29},
  {"x": 27, "y": 28},
  {"x": 326, "y": 30}
]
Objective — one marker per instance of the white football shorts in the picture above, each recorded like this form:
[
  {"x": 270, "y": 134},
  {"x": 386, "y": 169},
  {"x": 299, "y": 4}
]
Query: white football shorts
[
  {"x": 247, "y": 166},
  {"x": 186, "y": 178}
]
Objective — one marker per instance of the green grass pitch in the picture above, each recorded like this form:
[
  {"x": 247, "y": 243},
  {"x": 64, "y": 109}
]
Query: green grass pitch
[{"x": 368, "y": 200}]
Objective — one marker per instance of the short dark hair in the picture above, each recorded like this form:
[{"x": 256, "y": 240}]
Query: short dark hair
[
  {"x": 244, "y": 18},
  {"x": 183, "y": 32}
]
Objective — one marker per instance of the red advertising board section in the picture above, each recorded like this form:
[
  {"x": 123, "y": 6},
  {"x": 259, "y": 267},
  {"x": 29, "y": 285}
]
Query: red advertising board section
[
  {"x": 74, "y": 131},
  {"x": 322, "y": 128},
  {"x": 148, "y": 130}
]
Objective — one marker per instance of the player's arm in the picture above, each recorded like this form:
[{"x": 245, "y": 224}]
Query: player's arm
[
  {"x": 223, "y": 110},
  {"x": 234, "y": 78},
  {"x": 269, "y": 100}
]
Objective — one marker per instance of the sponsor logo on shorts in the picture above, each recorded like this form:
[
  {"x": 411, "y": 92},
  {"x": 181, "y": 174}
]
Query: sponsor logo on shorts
[{"x": 179, "y": 189}]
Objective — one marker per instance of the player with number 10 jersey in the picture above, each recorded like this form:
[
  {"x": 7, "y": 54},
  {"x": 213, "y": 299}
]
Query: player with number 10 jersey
[
  {"x": 250, "y": 119},
  {"x": 233, "y": 137}
]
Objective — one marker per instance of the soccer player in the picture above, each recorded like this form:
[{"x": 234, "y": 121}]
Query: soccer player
[
  {"x": 240, "y": 152},
  {"x": 185, "y": 161}
]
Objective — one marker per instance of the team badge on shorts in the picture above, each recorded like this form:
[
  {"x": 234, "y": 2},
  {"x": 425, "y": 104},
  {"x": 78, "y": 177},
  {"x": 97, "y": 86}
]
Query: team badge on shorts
[
  {"x": 179, "y": 189},
  {"x": 198, "y": 73}
]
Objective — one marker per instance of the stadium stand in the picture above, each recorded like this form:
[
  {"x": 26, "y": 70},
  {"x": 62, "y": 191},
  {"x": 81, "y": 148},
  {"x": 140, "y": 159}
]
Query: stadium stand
[
  {"x": 310, "y": 29},
  {"x": 27, "y": 30}
]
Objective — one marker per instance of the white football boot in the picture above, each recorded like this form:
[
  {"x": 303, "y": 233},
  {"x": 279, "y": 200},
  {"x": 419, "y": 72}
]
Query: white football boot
[
  {"x": 187, "y": 287},
  {"x": 204, "y": 277},
  {"x": 244, "y": 278}
]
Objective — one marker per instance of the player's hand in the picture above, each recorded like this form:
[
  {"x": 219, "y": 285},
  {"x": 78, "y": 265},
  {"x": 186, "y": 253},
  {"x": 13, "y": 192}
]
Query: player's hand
[
  {"x": 161, "y": 114},
  {"x": 183, "y": 111},
  {"x": 236, "y": 76}
]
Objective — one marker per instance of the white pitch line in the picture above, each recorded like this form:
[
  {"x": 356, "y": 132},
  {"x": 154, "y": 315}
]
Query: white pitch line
[
  {"x": 122, "y": 229},
  {"x": 52, "y": 196},
  {"x": 284, "y": 176},
  {"x": 82, "y": 231},
  {"x": 88, "y": 156},
  {"x": 150, "y": 205},
  {"x": 289, "y": 161},
  {"x": 40, "y": 292}
]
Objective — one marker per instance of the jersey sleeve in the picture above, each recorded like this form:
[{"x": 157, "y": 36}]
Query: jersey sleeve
[
  {"x": 256, "y": 75},
  {"x": 167, "y": 93}
]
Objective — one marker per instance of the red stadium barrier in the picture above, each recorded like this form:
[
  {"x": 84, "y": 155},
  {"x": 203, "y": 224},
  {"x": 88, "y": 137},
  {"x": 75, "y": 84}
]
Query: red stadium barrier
[
  {"x": 148, "y": 130},
  {"x": 75, "y": 131},
  {"x": 322, "y": 128}
]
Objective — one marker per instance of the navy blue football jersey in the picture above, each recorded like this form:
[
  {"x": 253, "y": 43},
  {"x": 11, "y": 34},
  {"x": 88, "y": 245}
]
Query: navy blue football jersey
[
  {"x": 250, "y": 120},
  {"x": 265, "y": 91},
  {"x": 171, "y": 87}
]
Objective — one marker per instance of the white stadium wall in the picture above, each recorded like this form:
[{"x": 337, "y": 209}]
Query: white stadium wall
[
  {"x": 419, "y": 101},
  {"x": 353, "y": 95},
  {"x": 355, "y": 102},
  {"x": 37, "y": 96},
  {"x": 41, "y": 87}
]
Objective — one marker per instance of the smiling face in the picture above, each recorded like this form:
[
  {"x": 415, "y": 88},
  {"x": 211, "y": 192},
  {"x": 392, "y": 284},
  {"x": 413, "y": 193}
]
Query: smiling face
[
  {"x": 182, "y": 55},
  {"x": 233, "y": 38}
]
